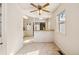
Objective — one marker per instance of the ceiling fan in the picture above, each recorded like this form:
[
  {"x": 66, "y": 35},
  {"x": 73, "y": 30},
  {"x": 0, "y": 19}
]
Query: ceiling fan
[{"x": 40, "y": 8}]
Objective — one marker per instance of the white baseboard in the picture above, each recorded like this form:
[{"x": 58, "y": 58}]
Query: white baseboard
[{"x": 61, "y": 48}]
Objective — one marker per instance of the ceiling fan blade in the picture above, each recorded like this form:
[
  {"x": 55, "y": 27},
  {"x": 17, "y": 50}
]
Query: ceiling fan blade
[
  {"x": 33, "y": 5},
  {"x": 45, "y": 5},
  {"x": 33, "y": 10},
  {"x": 45, "y": 10}
]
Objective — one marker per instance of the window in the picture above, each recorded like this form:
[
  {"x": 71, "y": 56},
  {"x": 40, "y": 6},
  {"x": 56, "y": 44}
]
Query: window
[
  {"x": 61, "y": 21},
  {"x": 42, "y": 26},
  {"x": 39, "y": 26}
]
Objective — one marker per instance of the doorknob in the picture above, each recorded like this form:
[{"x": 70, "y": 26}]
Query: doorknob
[{"x": 1, "y": 43}]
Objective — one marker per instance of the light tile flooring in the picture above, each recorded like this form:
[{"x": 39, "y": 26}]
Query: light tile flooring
[{"x": 32, "y": 48}]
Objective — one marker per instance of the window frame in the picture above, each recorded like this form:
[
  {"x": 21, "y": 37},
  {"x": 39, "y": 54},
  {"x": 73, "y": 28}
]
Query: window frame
[{"x": 61, "y": 21}]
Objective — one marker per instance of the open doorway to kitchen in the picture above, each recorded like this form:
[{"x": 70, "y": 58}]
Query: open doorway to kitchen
[{"x": 31, "y": 27}]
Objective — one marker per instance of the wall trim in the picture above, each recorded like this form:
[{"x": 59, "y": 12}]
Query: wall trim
[{"x": 61, "y": 48}]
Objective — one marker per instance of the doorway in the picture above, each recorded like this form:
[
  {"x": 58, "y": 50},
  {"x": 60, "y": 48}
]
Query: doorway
[{"x": 28, "y": 30}]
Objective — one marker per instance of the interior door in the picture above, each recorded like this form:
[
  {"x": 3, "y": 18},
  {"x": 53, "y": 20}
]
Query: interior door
[
  {"x": 1, "y": 28},
  {"x": 2, "y": 40}
]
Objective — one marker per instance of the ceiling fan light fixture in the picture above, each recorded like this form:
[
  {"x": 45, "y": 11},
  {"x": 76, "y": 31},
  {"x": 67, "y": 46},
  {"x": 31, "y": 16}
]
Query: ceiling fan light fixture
[{"x": 40, "y": 8}]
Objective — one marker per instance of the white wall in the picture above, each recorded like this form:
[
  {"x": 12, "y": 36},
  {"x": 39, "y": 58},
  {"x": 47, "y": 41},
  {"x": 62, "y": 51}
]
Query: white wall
[
  {"x": 14, "y": 30},
  {"x": 68, "y": 42},
  {"x": 51, "y": 23},
  {"x": 43, "y": 36}
]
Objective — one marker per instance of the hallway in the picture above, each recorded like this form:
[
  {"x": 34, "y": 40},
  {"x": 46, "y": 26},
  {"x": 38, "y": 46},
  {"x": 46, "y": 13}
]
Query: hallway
[
  {"x": 38, "y": 49},
  {"x": 56, "y": 23}
]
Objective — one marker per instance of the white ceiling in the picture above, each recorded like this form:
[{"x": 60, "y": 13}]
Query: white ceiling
[{"x": 26, "y": 8}]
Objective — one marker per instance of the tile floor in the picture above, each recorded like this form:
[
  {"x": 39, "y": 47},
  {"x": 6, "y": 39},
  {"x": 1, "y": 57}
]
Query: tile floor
[{"x": 31, "y": 48}]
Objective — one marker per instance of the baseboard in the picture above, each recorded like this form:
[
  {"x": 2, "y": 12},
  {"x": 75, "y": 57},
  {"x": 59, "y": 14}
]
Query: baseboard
[
  {"x": 60, "y": 52},
  {"x": 17, "y": 50},
  {"x": 61, "y": 48}
]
